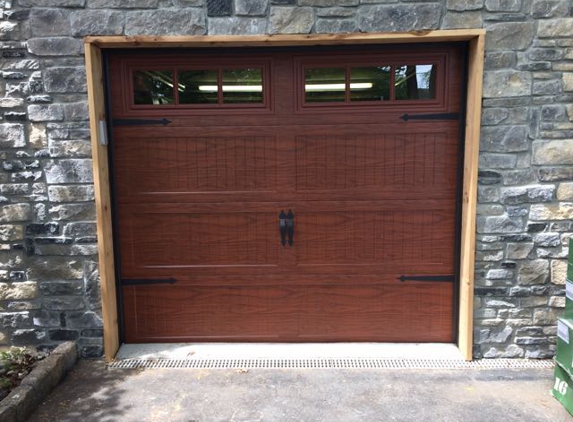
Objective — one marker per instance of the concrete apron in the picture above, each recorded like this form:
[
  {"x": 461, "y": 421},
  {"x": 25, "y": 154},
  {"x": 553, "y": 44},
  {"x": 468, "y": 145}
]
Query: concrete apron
[{"x": 290, "y": 351}]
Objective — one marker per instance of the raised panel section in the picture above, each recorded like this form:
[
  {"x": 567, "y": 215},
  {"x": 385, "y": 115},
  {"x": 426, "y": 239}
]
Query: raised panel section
[
  {"x": 400, "y": 312},
  {"x": 403, "y": 238},
  {"x": 386, "y": 162},
  {"x": 159, "y": 240},
  {"x": 203, "y": 164}
]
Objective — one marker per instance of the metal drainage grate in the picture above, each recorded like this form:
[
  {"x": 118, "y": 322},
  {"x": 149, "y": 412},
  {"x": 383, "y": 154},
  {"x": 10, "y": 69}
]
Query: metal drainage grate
[{"x": 339, "y": 363}]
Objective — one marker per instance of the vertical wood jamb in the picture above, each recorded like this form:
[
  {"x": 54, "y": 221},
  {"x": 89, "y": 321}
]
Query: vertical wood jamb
[
  {"x": 96, "y": 101},
  {"x": 469, "y": 196}
]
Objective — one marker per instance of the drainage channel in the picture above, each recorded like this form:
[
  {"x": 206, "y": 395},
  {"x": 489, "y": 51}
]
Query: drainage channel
[{"x": 329, "y": 363}]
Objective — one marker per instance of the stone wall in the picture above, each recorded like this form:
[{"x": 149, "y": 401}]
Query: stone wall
[{"x": 49, "y": 289}]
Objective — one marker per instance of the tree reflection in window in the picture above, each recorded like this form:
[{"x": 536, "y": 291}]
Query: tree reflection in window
[
  {"x": 153, "y": 87},
  {"x": 198, "y": 87},
  {"x": 415, "y": 82}
]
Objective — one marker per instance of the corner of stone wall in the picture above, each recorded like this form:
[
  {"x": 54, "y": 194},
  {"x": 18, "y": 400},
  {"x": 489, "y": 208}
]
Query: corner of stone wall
[{"x": 49, "y": 283}]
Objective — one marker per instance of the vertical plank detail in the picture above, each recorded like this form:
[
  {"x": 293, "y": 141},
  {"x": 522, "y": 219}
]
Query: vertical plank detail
[
  {"x": 469, "y": 196},
  {"x": 103, "y": 201}
]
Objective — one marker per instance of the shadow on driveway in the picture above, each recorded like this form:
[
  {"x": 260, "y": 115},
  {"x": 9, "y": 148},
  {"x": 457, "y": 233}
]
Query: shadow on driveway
[{"x": 92, "y": 393}]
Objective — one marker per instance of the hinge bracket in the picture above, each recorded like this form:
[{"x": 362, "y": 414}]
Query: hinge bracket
[{"x": 102, "y": 132}]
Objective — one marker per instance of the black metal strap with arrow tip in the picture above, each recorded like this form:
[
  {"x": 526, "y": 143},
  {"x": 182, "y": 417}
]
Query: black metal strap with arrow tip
[
  {"x": 146, "y": 281},
  {"x": 140, "y": 122}
]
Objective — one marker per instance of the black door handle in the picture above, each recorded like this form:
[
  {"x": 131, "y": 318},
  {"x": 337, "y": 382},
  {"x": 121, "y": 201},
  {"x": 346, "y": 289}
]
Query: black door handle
[
  {"x": 290, "y": 227},
  {"x": 283, "y": 227}
]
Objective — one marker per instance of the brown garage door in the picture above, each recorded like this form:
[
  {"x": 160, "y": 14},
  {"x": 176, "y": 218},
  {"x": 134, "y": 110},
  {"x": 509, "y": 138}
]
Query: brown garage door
[{"x": 287, "y": 195}]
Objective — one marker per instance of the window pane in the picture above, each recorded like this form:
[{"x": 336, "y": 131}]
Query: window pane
[
  {"x": 153, "y": 87},
  {"x": 242, "y": 86},
  {"x": 198, "y": 87},
  {"x": 325, "y": 84},
  {"x": 415, "y": 82},
  {"x": 370, "y": 83}
]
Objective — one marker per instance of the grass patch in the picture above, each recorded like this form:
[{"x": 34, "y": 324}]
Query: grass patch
[{"x": 15, "y": 364}]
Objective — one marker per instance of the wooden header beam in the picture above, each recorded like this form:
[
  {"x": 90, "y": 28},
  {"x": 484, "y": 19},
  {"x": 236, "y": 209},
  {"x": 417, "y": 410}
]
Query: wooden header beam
[{"x": 206, "y": 41}]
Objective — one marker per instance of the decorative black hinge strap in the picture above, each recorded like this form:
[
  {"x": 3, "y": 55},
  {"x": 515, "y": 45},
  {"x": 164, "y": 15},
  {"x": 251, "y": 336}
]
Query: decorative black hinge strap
[
  {"x": 436, "y": 116},
  {"x": 146, "y": 281},
  {"x": 443, "y": 278},
  {"x": 140, "y": 122}
]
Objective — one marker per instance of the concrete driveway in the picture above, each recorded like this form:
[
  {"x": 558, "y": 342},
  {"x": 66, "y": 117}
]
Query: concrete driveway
[{"x": 92, "y": 393}]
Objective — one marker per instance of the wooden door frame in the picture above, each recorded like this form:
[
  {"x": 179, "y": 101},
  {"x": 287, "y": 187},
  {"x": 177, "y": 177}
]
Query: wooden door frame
[{"x": 96, "y": 99}]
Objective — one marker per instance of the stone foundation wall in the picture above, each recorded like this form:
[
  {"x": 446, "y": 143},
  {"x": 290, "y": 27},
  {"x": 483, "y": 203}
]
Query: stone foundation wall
[{"x": 49, "y": 285}]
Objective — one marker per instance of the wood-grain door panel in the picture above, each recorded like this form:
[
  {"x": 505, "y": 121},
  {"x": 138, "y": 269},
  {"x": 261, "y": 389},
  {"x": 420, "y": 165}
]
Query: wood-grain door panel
[
  {"x": 373, "y": 197},
  {"x": 286, "y": 313}
]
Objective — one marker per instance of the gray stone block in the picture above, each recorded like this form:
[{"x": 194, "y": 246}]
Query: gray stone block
[
  {"x": 534, "y": 272},
  {"x": 558, "y": 152},
  {"x": 218, "y": 8},
  {"x": 463, "y": 5},
  {"x": 336, "y": 12},
  {"x": 12, "y": 135},
  {"x": 401, "y": 17},
  {"x": 457, "y": 20},
  {"x": 54, "y": 46},
  {"x": 51, "y": 3},
  {"x": 15, "y": 212},
  {"x": 237, "y": 26},
  {"x": 127, "y": 4},
  {"x": 69, "y": 171},
  {"x": 49, "y": 22},
  {"x": 73, "y": 212},
  {"x": 504, "y": 139},
  {"x": 45, "y": 112},
  {"x": 562, "y": 27},
  {"x": 166, "y": 22},
  {"x": 84, "y": 320},
  {"x": 328, "y": 3},
  {"x": 64, "y": 303},
  {"x": 96, "y": 22},
  {"x": 497, "y": 161},
  {"x": 65, "y": 79},
  {"x": 546, "y": 87},
  {"x": 550, "y": 8},
  {"x": 524, "y": 194},
  {"x": 336, "y": 26},
  {"x": 26, "y": 337},
  {"x": 546, "y": 54},
  {"x": 251, "y": 7},
  {"x": 70, "y": 149},
  {"x": 54, "y": 268},
  {"x": 547, "y": 239},
  {"x": 499, "y": 224},
  {"x": 503, "y": 5},
  {"x": 61, "y": 288},
  {"x": 71, "y": 193},
  {"x": 509, "y": 36},
  {"x": 555, "y": 174},
  {"x": 291, "y": 20},
  {"x": 500, "y": 60},
  {"x": 506, "y": 83}
]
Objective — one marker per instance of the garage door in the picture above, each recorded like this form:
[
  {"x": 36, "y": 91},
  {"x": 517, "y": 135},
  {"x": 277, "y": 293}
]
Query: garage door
[{"x": 287, "y": 195}]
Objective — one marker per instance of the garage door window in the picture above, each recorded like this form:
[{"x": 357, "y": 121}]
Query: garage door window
[
  {"x": 200, "y": 87},
  {"x": 369, "y": 84},
  {"x": 153, "y": 87}
]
